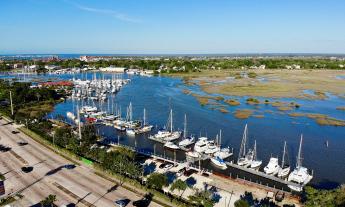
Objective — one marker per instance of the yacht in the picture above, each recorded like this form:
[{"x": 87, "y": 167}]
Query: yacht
[
  {"x": 131, "y": 132},
  {"x": 272, "y": 167},
  {"x": 219, "y": 162},
  {"x": 201, "y": 145},
  {"x": 285, "y": 167},
  {"x": 300, "y": 175},
  {"x": 192, "y": 154},
  {"x": 171, "y": 145},
  {"x": 223, "y": 153},
  {"x": 88, "y": 109},
  {"x": 211, "y": 148},
  {"x": 255, "y": 164}
]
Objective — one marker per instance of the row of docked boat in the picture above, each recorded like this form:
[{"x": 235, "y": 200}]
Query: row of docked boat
[
  {"x": 97, "y": 89},
  {"x": 300, "y": 175}
]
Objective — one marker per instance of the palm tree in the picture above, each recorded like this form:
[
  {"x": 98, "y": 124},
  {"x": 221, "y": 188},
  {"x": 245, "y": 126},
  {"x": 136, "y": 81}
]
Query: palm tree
[{"x": 180, "y": 185}]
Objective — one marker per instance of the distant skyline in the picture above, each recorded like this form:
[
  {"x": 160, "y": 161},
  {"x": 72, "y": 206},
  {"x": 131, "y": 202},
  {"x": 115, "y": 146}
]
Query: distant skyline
[{"x": 171, "y": 26}]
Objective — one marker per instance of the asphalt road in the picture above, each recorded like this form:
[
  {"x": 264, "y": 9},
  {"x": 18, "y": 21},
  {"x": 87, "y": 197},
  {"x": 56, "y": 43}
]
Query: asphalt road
[{"x": 79, "y": 186}]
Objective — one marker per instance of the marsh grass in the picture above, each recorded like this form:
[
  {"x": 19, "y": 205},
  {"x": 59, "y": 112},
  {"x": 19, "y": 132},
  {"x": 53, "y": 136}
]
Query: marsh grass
[{"x": 243, "y": 113}]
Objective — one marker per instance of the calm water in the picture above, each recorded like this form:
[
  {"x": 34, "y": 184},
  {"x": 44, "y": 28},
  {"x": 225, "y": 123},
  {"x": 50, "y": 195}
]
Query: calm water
[{"x": 158, "y": 94}]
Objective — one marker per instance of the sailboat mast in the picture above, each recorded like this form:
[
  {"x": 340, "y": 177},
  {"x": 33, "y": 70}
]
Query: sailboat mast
[
  {"x": 243, "y": 144},
  {"x": 171, "y": 120},
  {"x": 299, "y": 157},
  {"x": 220, "y": 138},
  {"x": 283, "y": 158},
  {"x": 130, "y": 112},
  {"x": 185, "y": 126},
  {"x": 79, "y": 126},
  {"x": 144, "y": 116},
  {"x": 254, "y": 156}
]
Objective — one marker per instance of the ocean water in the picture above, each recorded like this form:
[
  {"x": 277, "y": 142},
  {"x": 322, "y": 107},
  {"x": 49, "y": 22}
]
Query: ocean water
[{"x": 159, "y": 94}]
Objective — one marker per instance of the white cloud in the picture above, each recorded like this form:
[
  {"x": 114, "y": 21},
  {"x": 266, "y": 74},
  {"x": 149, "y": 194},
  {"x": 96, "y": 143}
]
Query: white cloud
[{"x": 112, "y": 13}]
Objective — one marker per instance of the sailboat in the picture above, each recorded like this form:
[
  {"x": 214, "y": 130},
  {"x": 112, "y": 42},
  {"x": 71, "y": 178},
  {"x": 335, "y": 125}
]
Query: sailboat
[
  {"x": 130, "y": 125},
  {"x": 222, "y": 153},
  {"x": 300, "y": 174},
  {"x": 245, "y": 158},
  {"x": 255, "y": 164},
  {"x": 145, "y": 127},
  {"x": 165, "y": 135},
  {"x": 285, "y": 167},
  {"x": 186, "y": 140}
]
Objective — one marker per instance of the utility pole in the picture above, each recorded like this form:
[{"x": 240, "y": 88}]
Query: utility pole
[{"x": 11, "y": 103}]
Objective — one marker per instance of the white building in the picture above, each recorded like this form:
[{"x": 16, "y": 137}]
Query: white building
[{"x": 113, "y": 69}]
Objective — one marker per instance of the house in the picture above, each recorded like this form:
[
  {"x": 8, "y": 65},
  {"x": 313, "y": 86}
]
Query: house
[{"x": 18, "y": 65}]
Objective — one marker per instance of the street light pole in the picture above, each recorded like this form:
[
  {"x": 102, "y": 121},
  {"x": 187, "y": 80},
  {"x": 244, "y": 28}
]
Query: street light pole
[{"x": 11, "y": 103}]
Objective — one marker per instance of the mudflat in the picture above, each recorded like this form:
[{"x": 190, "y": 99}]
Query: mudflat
[{"x": 279, "y": 83}]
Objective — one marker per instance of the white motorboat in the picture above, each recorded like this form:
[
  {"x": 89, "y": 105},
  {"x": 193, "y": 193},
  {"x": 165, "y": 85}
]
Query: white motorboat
[
  {"x": 192, "y": 154},
  {"x": 70, "y": 115},
  {"x": 272, "y": 167},
  {"x": 88, "y": 109},
  {"x": 171, "y": 145},
  {"x": 109, "y": 118},
  {"x": 300, "y": 175},
  {"x": 201, "y": 145},
  {"x": 212, "y": 148},
  {"x": 187, "y": 142},
  {"x": 285, "y": 167},
  {"x": 223, "y": 153},
  {"x": 131, "y": 132},
  {"x": 119, "y": 124},
  {"x": 219, "y": 162},
  {"x": 255, "y": 164}
]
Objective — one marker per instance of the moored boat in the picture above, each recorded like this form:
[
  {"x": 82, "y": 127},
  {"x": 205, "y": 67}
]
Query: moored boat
[
  {"x": 300, "y": 175},
  {"x": 219, "y": 162}
]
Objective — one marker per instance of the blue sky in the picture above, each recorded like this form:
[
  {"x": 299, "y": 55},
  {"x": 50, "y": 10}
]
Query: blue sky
[{"x": 172, "y": 26}]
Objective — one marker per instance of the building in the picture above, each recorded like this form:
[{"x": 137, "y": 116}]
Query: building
[
  {"x": 18, "y": 65},
  {"x": 59, "y": 84},
  {"x": 113, "y": 69}
]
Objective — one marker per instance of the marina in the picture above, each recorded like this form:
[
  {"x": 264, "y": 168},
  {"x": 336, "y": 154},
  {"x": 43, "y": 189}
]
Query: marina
[{"x": 108, "y": 116}]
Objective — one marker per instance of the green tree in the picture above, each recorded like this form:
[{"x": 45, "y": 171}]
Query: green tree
[
  {"x": 241, "y": 203},
  {"x": 202, "y": 198},
  {"x": 48, "y": 201},
  {"x": 180, "y": 185},
  {"x": 157, "y": 181}
]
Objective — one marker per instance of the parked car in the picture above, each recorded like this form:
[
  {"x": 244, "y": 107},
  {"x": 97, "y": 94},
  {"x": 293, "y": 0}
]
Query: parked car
[
  {"x": 22, "y": 143},
  {"x": 168, "y": 166},
  {"x": 27, "y": 169},
  {"x": 15, "y": 132},
  {"x": 121, "y": 202},
  {"x": 161, "y": 166},
  {"x": 69, "y": 166},
  {"x": 180, "y": 172}
]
